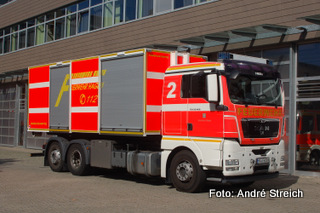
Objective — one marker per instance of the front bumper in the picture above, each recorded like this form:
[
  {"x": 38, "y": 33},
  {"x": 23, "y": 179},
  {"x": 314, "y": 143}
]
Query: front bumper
[{"x": 250, "y": 160}]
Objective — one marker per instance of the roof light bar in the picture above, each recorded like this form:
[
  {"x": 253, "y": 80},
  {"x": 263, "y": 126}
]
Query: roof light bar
[{"x": 232, "y": 56}]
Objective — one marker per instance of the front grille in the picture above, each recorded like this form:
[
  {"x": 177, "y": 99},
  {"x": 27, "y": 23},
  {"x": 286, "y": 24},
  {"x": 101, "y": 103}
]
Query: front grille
[{"x": 260, "y": 128}]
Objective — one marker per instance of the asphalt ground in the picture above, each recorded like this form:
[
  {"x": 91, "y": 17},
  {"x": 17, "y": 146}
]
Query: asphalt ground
[{"x": 28, "y": 186}]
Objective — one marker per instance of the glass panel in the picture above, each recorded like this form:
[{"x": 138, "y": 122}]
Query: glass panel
[
  {"x": 254, "y": 91},
  {"x": 95, "y": 2},
  {"x": 277, "y": 55},
  {"x": 308, "y": 136},
  {"x": 40, "y": 34},
  {"x": 14, "y": 41},
  {"x": 22, "y": 25},
  {"x": 96, "y": 18},
  {"x": 83, "y": 5},
  {"x": 131, "y": 9},
  {"x": 31, "y": 22},
  {"x": 163, "y": 5},
  {"x": 71, "y": 25},
  {"x": 1, "y": 43},
  {"x": 40, "y": 19},
  {"x": 60, "y": 12},
  {"x": 15, "y": 28},
  {"x": 83, "y": 21},
  {"x": 60, "y": 25},
  {"x": 7, "y": 31},
  {"x": 200, "y": 1},
  {"x": 30, "y": 37},
  {"x": 145, "y": 8},
  {"x": 6, "y": 44},
  {"x": 182, "y": 3},
  {"x": 118, "y": 12},
  {"x": 50, "y": 31},
  {"x": 308, "y": 60},
  {"x": 72, "y": 9},
  {"x": 107, "y": 15},
  {"x": 49, "y": 16}
]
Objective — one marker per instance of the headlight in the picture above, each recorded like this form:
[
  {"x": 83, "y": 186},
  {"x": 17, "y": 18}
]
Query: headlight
[{"x": 232, "y": 162}]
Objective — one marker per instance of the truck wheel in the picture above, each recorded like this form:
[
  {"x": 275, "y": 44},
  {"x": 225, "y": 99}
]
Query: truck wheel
[
  {"x": 76, "y": 160},
  {"x": 185, "y": 172},
  {"x": 55, "y": 157},
  {"x": 315, "y": 158}
]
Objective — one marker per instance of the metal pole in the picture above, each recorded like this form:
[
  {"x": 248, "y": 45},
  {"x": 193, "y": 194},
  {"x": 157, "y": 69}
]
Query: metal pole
[{"x": 292, "y": 111}]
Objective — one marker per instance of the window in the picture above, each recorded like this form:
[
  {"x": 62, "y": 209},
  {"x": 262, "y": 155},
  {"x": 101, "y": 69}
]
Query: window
[
  {"x": 83, "y": 5},
  {"x": 83, "y": 21},
  {"x": 130, "y": 10},
  {"x": 3, "y": 2},
  {"x": 22, "y": 39},
  {"x": 81, "y": 17},
  {"x": 1, "y": 43},
  {"x": 14, "y": 41},
  {"x": 182, "y": 3},
  {"x": 194, "y": 86},
  {"x": 95, "y": 2},
  {"x": 163, "y": 5},
  {"x": 6, "y": 44},
  {"x": 308, "y": 60},
  {"x": 60, "y": 12},
  {"x": 72, "y": 9},
  {"x": 71, "y": 25},
  {"x": 40, "y": 34},
  {"x": 307, "y": 124},
  {"x": 60, "y": 25},
  {"x": 118, "y": 12},
  {"x": 30, "y": 37},
  {"x": 145, "y": 8},
  {"x": 49, "y": 31},
  {"x": 107, "y": 14},
  {"x": 96, "y": 18}
]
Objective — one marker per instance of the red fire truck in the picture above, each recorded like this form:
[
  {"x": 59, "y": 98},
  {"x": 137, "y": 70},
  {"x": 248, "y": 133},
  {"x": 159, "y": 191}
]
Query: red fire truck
[
  {"x": 308, "y": 137},
  {"x": 161, "y": 113}
]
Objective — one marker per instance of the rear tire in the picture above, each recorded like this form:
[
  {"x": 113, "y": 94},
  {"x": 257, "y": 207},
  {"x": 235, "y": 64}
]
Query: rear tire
[
  {"x": 186, "y": 173},
  {"x": 54, "y": 156},
  {"x": 76, "y": 160}
]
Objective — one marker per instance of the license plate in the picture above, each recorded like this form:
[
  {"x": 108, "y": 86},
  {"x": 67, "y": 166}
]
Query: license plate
[{"x": 264, "y": 160}]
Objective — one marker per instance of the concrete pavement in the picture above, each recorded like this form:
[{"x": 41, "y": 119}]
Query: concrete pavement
[{"x": 27, "y": 186}]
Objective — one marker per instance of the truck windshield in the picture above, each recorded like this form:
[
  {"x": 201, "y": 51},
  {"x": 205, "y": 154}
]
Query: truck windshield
[{"x": 254, "y": 90}]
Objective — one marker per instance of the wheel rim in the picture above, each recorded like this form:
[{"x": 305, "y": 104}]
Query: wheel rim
[
  {"x": 76, "y": 159},
  {"x": 184, "y": 171},
  {"x": 55, "y": 156}
]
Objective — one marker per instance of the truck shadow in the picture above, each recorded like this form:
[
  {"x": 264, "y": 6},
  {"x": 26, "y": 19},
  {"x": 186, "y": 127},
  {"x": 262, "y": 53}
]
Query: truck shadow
[
  {"x": 282, "y": 182},
  {"x": 122, "y": 174},
  {"x": 7, "y": 161}
]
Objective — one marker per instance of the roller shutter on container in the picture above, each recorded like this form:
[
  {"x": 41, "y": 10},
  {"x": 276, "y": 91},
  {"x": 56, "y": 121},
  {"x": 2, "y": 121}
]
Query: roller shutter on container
[
  {"x": 122, "y": 92},
  {"x": 59, "y": 97}
]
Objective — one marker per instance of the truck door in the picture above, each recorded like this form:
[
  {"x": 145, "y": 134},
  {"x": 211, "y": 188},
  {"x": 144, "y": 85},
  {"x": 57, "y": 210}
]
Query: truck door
[
  {"x": 203, "y": 120},
  {"x": 174, "y": 107}
]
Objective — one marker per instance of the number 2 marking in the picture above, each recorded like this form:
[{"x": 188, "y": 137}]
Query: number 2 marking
[{"x": 173, "y": 87}]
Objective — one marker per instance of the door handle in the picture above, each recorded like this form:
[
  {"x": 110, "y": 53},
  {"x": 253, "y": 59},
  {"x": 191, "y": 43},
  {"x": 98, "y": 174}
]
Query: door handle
[{"x": 190, "y": 127}]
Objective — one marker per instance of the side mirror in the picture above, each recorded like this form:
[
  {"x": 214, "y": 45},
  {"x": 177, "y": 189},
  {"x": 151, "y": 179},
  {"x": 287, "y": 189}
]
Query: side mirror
[{"x": 213, "y": 88}]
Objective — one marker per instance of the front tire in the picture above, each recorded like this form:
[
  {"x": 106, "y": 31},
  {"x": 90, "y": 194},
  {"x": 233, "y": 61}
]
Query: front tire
[
  {"x": 186, "y": 173},
  {"x": 76, "y": 160},
  {"x": 315, "y": 158},
  {"x": 54, "y": 156}
]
